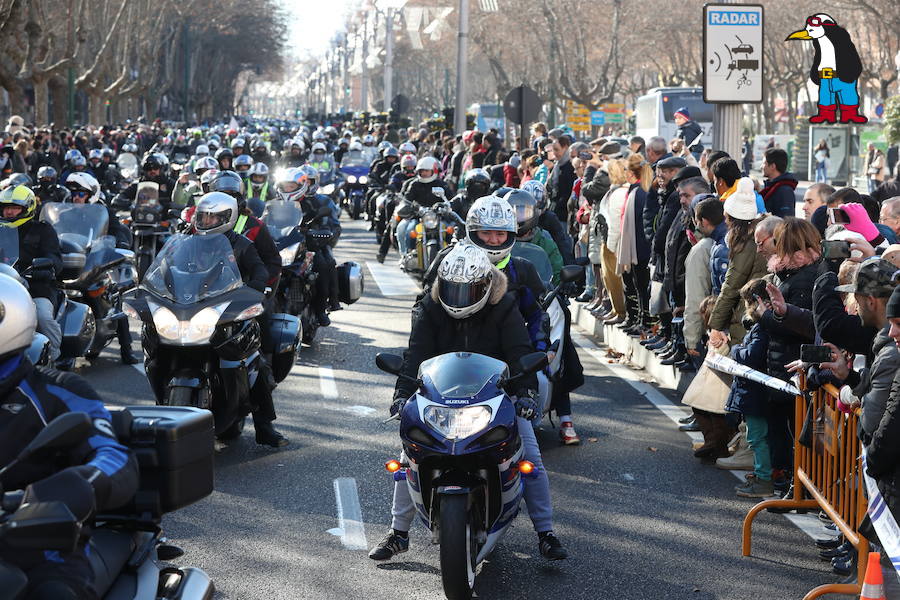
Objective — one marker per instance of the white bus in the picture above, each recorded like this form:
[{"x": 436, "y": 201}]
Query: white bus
[{"x": 654, "y": 113}]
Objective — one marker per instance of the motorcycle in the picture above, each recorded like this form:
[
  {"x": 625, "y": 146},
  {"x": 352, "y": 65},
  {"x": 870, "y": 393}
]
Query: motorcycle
[
  {"x": 378, "y": 208},
  {"x": 462, "y": 456},
  {"x": 127, "y": 548},
  {"x": 200, "y": 335},
  {"x": 435, "y": 227},
  {"x": 297, "y": 245},
  {"x": 129, "y": 169},
  {"x": 150, "y": 225},
  {"x": 106, "y": 272},
  {"x": 355, "y": 174}
]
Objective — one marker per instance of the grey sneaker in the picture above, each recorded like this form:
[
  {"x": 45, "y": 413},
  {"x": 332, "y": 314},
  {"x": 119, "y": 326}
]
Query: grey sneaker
[
  {"x": 390, "y": 546},
  {"x": 755, "y": 487}
]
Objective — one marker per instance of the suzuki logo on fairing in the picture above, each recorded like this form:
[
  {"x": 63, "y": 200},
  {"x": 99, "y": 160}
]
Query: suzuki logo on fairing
[{"x": 457, "y": 401}]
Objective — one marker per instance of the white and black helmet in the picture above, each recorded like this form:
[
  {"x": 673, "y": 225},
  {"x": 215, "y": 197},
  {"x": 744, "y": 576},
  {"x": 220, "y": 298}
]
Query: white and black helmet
[
  {"x": 464, "y": 280},
  {"x": 258, "y": 175},
  {"x": 202, "y": 150},
  {"x": 85, "y": 183},
  {"x": 492, "y": 213},
  {"x": 18, "y": 318},
  {"x": 216, "y": 212}
]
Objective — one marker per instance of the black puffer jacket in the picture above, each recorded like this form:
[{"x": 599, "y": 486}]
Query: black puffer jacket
[
  {"x": 253, "y": 270},
  {"x": 420, "y": 193},
  {"x": 39, "y": 240},
  {"x": 497, "y": 330},
  {"x": 796, "y": 284}
]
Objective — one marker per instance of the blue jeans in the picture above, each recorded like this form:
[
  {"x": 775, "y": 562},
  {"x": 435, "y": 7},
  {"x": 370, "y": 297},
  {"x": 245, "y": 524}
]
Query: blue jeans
[
  {"x": 403, "y": 229},
  {"x": 537, "y": 489},
  {"x": 757, "y": 432},
  {"x": 834, "y": 91},
  {"x": 48, "y": 325},
  {"x": 589, "y": 284},
  {"x": 821, "y": 176}
]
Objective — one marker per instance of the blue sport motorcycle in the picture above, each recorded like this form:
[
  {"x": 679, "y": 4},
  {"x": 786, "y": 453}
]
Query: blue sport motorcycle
[
  {"x": 462, "y": 456},
  {"x": 354, "y": 172}
]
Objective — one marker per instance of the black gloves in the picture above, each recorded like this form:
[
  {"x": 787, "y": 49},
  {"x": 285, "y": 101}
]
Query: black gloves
[
  {"x": 526, "y": 405},
  {"x": 398, "y": 404}
]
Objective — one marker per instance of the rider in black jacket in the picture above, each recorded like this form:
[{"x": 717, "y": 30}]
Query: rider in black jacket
[
  {"x": 152, "y": 170},
  {"x": 31, "y": 397},
  {"x": 47, "y": 189}
]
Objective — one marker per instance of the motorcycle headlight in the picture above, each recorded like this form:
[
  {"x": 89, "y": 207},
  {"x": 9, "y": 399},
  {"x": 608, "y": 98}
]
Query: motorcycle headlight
[
  {"x": 363, "y": 179},
  {"x": 430, "y": 220},
  {"x": 457, "y": 423},
  {"x": 196, "y": 331},
  {"x": 289, "y": 254},
  {"x": 328, "y": 189},
  {"x": 351, "y": 179}
]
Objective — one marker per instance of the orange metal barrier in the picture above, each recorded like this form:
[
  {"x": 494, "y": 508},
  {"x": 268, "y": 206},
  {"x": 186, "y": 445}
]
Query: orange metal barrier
[{"x": 827, "y": 476}]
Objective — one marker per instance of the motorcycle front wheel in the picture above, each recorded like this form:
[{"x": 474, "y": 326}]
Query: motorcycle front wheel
[{"x": 458, "y": 550}]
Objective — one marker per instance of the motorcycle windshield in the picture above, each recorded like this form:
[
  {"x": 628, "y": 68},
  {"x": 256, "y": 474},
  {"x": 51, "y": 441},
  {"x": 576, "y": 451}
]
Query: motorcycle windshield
[
  {"x": 356, "y": 162},
  {"x": 78, "y": 223},
  {"x": 461, "y": 374},
  {"x": 192, "y": 268},
  {"x": 147, "y": 194},
  {"x": 536, "y": 256},
  {"x": 281, "y": 216},
  {"x": 9, "y": 245},
  {"x": 103, "y": 252}
]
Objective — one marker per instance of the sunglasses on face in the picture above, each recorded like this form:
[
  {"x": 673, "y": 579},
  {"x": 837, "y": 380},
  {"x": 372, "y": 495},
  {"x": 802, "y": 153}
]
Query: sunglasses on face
[{"x": 80, "y": 193}]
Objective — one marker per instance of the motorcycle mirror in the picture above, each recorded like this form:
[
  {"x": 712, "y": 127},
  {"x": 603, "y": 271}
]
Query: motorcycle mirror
[
  {"x": 42, "y": 526},
  {"x": 39, "y": 264},
  {"x": 571, "y": 273},
  {"x": 65, "y": 431},
  {"x": 120, "y": 203},
  {"x": 389, "y": 363},
  {"x": 533, "y": 362}
]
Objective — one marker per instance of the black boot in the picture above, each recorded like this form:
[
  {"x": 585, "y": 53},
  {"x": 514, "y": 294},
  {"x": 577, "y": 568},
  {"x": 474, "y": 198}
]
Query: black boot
[
  {"x": 128, "y": 357},
  {"x": 267, "y": 435}
]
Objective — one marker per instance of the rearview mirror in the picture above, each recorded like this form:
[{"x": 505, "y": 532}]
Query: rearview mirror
[
  {"x": 534, "y": 362},
  {"x": 571, "y": 273},
  {"x": 65, "y": 431},
  {"x": 389, "y": 363}
]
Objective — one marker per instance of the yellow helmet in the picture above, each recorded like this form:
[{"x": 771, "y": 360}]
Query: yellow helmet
[{"x": 19, "y": 195}]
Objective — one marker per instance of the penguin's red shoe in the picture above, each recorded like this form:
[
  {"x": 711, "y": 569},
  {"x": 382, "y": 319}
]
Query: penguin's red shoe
[
  {"x": 827, "y": 114},
  {"x": 850, "y": 114}
]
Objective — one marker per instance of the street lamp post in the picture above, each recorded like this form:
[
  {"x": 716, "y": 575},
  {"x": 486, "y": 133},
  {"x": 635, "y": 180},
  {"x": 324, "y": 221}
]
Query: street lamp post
[
  {"x": 462, "y": 52},
  {"x": 388, "y": 58}
]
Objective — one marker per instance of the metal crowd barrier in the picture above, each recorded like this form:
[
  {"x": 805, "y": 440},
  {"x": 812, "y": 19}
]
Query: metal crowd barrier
[{"x": 827, "y": 476}]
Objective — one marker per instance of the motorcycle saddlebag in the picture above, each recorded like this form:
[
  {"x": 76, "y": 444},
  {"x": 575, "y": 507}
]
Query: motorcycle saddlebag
[
  {"x": 284, "y": 331},
  {"x": 174, "y": 447},
  {"x": 350, "y": 282}
]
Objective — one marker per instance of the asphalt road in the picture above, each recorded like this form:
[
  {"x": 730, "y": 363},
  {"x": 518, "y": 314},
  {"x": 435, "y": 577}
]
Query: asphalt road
[{"x": 639, "y": 515}]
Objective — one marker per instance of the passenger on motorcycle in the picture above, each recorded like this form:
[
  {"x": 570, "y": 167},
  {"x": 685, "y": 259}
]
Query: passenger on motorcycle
[
  {"x": 311, "y": 204},
  {"x": 260, "y": 152},
  {"x": 477, "y": 185},
  {"x": 36, "y": 240},
  {"x": 469, "y": 310},
  {"x": 420, "y": 191},
  {"x": 84, "y": 189},
  {"x": 46, "y": 189},
  {"x": 33, "y": 396},
  {"x": 294, "y": 157},
  {"x": 226, "y": 158},
  {"x": 550, "y": 223},
  {"x": 257, "y": 185},
  {"x": 238, "y": 146},
  {"x": 153, "y": 169},
  {"x": 217, "y": 212},
  {"x": 75, "y": 163},
  {"x": 242, "y": 164},
  {"x": 188, "y": 186},
  {"x": 527, "y": 216}
]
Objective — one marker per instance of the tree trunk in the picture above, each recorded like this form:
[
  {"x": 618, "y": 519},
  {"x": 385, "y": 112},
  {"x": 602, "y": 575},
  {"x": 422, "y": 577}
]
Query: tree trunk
[
  {"x": 41, "y": 99},
  {"x": 95, "y": 110}
]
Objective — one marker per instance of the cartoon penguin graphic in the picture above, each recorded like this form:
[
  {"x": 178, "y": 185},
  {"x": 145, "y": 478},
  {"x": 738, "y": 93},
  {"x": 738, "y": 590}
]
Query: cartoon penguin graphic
[{"x": 836, "y": 68}]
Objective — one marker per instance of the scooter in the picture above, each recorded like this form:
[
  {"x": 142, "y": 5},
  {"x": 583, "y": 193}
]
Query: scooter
[
  {"x": 200, "y": 334},
  {"x": 127, "y": 547},
  {"x": 462, "y": 456}
]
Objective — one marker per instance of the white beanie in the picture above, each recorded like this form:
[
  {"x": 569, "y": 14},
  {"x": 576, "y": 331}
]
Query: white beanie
[{"x": 742, "y": 203}]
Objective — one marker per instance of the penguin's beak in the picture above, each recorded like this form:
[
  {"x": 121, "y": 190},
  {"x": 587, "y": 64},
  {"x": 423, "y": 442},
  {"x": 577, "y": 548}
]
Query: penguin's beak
[{"x": 799, "y": 35}]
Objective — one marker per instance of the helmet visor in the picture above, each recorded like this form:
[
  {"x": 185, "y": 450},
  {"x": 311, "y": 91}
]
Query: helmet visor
[
  {"x": 210, "y": 220},
  {"x": 462, "y": 295},
  {"x": 524, "y": 213}
]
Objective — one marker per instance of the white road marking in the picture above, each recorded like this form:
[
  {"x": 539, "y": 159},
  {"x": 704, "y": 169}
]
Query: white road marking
[
  {"x": 627, "y": 476},
  {"x": 350, "y": 524},
  {"x": 360, "y": 411},
  {"x": 392, "y": 281},
  {"x": 327, "y": 384},
  {"x": 808, "y": 523}
]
